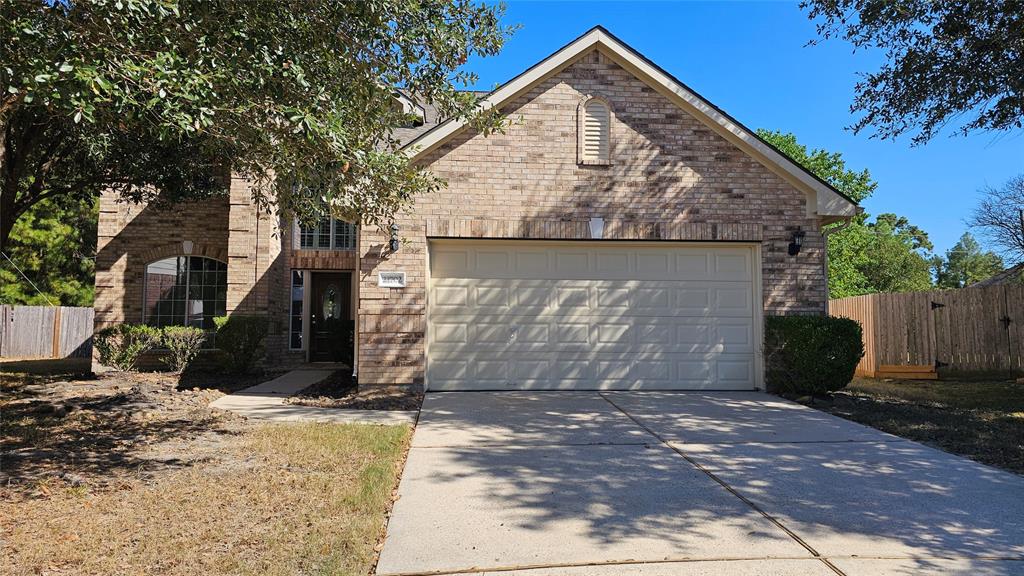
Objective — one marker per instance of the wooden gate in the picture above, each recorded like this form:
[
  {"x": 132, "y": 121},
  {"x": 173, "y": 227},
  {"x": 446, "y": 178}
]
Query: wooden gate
[{"x": 967, "y": 330}]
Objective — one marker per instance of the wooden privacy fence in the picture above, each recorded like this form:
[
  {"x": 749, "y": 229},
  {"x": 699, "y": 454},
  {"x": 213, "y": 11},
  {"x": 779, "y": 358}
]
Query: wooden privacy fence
[
  {"x": 969, "y": 330},
  {"x": 45, "y": 332}
]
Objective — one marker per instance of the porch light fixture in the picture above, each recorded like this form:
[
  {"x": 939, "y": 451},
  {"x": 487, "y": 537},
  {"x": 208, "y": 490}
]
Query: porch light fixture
[
  {"x": 186, "y": 247},
  {"x": 596, "y": 228},
  {"x": 796, "y": 242},
  {"x": 393, "y": 243}
]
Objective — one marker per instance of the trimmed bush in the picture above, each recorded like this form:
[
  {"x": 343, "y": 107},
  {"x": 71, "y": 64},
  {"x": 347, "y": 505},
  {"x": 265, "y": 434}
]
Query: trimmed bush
[
  {"x": 810, "y": 354},
  {"x": 183, "y": 344},
  {"x": 240, "y": 337},
  {"x": 121, "y": 346}
]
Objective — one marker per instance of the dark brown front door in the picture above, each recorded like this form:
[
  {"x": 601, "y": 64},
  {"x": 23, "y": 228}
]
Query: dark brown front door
[{"x": 330, "y": 319}]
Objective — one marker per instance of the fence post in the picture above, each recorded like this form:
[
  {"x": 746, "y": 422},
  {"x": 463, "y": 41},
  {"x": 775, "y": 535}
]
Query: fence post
[{"x": 56, "y": 332}]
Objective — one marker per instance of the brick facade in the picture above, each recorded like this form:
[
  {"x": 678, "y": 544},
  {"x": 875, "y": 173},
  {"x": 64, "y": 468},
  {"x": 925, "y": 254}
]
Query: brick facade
[
  {"x": 670, "y": 178},
  {"x": 131, "y": 236}
]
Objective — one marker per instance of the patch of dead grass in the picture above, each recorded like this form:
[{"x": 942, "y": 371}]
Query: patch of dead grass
[
  {"x": 977, "y": 419},
  {"x": 299, "y": 499}
]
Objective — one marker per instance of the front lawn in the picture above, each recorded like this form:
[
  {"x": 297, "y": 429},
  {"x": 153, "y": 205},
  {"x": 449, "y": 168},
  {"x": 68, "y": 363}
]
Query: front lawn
[
  {"x": 144, "y": 479},
  {"x": 981, "y": 420}
]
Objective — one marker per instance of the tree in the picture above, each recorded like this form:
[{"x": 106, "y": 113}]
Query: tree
[
  {"x": 1000, "y": 217},
  {"x": 897, "y": 256},
  {"x": 888, "y": 255},
  {"x": 965, "y": 264},
  {"x": 54, "y": 246},
  {"x": 945, "y": 59},
  {"x": 829, "y": 166},
  {"x": 159, "y": 99}
]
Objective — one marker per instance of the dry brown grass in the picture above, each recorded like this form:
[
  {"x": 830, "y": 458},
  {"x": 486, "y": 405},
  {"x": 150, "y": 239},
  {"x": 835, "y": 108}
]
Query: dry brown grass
[
  {"x": 982, "y": 420},
  {"x": 282, "y": 499}
]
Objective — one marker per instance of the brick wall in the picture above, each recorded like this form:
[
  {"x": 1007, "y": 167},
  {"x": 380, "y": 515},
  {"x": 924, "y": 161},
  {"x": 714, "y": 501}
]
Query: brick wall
[
  {"x": 670, "y": 177},
  {"x": 131, "y": 236}
]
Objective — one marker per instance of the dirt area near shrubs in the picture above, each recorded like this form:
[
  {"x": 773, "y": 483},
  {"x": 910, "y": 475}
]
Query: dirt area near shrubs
[
  {"x": 96, "y": 429},
  {"x": 340, "y": 391},
  {"x": 982, "y": 420},
  {"x": 133, "y": 473}
]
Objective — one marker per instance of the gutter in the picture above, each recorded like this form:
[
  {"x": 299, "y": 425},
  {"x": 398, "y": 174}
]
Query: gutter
[{"x": 825, "y": 233}]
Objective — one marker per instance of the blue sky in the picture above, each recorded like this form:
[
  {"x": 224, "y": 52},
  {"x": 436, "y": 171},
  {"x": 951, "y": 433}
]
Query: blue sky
[{"x": 750, "y": 59}]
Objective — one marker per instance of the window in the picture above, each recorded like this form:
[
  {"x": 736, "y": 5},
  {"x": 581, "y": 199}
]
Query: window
[
  {"x": 295, "y": 317},
  {"x": 328, "y": 234},
  {"x": 185, "y": 291},
  {"x": 594, "y": 132}
]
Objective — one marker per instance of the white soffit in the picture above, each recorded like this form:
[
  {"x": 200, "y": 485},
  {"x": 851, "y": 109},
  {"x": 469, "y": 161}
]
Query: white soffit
[{"x": 827, "y": 201}]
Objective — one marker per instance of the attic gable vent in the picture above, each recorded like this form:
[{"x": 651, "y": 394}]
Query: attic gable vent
[{"x": 595, "y": 125}]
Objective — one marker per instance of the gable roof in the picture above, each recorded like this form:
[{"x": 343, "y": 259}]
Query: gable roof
[
  {"x": 825, "y": 201},
  {"x": 1012, "y": 275}
]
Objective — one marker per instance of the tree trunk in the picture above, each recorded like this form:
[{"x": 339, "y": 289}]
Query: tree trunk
[{"x": 8, "y": 189}]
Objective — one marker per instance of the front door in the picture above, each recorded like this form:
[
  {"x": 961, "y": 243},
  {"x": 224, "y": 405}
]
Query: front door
[{"x": 330, "y": 319}]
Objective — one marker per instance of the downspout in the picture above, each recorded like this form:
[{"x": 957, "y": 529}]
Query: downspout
[
  {"x": 355, "y": 309},
  {"x": 825, "y": 233}
]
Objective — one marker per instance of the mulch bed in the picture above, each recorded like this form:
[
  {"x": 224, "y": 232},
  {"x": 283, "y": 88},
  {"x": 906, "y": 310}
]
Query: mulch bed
[{"x": 339, "y": 390}]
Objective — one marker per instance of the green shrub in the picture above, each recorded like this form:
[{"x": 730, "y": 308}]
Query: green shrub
[
  {"x": 121, "y": 346},
  {"x": 240, "y": 337},
  {"x": 810, "y": 354},
  {"x": 183, "y": 344}
]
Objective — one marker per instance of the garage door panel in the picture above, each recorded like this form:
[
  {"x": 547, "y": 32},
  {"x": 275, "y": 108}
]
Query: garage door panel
[
  {"x": 600, "y": 334},
  {"x": 493, "y": 298},
  {"x": 608, "y": 298},
  {"x": 732, "y": 266},
  {"x": 515, "y": 316}
]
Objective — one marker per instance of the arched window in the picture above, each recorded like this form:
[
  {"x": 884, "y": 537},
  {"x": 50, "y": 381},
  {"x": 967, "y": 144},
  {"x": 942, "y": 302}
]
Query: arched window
[
  {"x": 595, "y": 126},
  {"x": 185, "y": 291}
]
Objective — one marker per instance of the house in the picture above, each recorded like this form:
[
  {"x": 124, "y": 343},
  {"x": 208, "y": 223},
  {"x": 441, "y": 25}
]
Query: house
[
  {"x": 623, "y": 233},
  {"x": 1012, "y": 275}
]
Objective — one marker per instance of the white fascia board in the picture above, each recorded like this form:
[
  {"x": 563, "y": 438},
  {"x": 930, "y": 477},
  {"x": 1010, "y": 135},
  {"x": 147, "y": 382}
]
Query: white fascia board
[
  {"x": 409, "y": 106},
  {"x": 823, "y": 201}
]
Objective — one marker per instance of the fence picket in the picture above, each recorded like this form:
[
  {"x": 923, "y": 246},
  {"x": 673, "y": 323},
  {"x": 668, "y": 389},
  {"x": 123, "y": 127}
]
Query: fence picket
[
  {"x": 965, "y": 332},
  {"x": 45, "y": 332}
]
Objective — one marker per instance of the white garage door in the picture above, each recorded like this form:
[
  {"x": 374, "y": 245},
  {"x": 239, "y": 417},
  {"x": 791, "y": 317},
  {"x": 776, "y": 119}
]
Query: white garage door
[{"x": 515, "y": 315}]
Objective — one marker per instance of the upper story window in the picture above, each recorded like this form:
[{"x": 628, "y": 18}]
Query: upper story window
[
  {"x": 185, "y": 291},
  {"x": 595, "y": 125},
  {"x": 328, "y": 234}
]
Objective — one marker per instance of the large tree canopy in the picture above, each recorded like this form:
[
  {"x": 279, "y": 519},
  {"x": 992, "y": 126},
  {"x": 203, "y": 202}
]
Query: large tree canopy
[
  {"x": 886, "y": 255},
  {"x": 944, "y": 59},
  {"x": 159, "y": 99}
]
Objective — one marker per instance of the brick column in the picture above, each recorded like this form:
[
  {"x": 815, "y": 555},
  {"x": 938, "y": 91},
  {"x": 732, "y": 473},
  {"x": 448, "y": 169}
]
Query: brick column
[{"x": 254, "y": 245}]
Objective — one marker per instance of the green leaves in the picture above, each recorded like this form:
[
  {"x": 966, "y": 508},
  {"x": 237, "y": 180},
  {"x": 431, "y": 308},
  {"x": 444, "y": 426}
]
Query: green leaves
[
  {"x": 945, "y": 61},
  {"x": 888, "y": 255},
  {"x": 965, "y": 263},
  {"x": 295, "y": 89}
]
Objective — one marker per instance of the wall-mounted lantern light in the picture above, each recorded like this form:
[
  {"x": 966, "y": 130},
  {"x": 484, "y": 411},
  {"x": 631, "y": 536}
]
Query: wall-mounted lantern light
[
  {"x": 393, "y": 243},
  {"x": 796, "y": 242},
  {"x": 186, "y": 247},
  {"x": 596, "y": 227}
]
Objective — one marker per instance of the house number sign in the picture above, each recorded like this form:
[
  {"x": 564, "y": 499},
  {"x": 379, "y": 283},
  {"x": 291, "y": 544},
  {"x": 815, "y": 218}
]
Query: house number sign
[{"x": 391, "y": 279}]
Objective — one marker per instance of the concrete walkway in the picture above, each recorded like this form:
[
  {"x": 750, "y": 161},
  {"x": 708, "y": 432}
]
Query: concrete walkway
[
  {"x": 652, "y": 483},
  {"x": 266, "y": 401}
]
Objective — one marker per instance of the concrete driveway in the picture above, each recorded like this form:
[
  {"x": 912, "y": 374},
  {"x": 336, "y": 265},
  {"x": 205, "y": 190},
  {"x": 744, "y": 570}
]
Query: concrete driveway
[{"x": 654, "y": 483}]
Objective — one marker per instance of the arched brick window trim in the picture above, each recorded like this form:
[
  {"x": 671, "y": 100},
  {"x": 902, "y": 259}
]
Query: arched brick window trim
[
  {"x": 585, "y": 156},
  {"x": 175, "y": 249}
]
